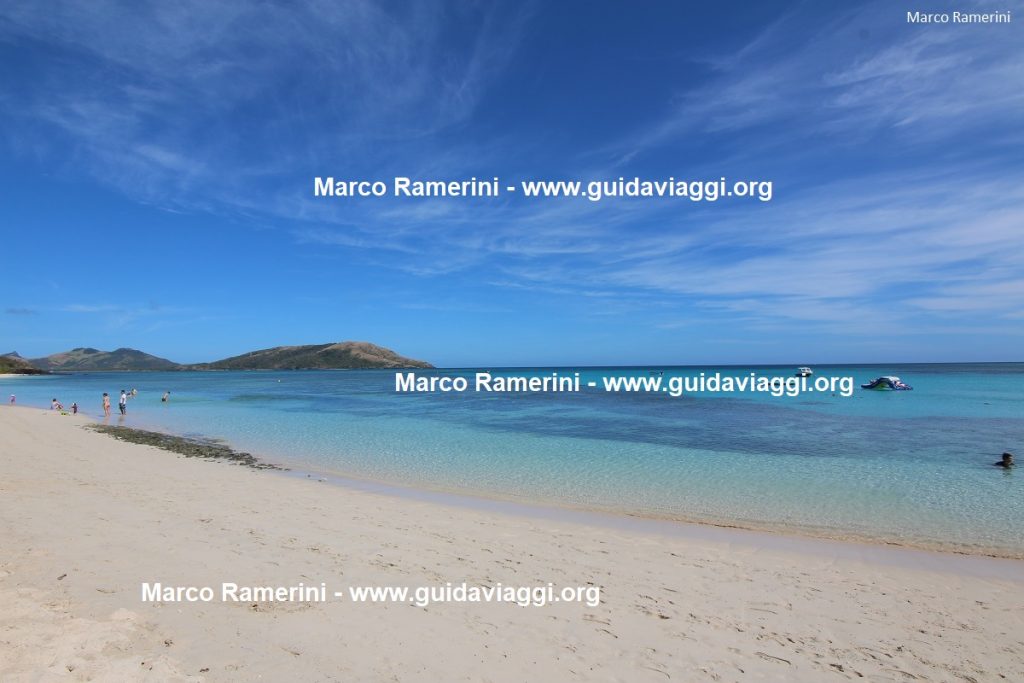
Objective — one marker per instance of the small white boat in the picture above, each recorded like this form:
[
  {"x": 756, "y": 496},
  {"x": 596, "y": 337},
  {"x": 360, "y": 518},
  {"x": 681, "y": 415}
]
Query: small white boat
[{"x": 804, "y": 372}]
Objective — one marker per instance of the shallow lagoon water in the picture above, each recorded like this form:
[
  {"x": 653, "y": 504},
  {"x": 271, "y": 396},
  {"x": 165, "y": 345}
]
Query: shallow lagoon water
[{"x": 906, "y": 467}]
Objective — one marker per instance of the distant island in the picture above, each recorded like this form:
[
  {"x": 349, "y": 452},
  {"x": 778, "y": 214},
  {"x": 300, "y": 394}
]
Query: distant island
[
  {"x": 13, "y": 364},
  {"x": 87, "y": 359},
  {"x": 339, "y": 355},
  {"x": 316, "y": 357}
]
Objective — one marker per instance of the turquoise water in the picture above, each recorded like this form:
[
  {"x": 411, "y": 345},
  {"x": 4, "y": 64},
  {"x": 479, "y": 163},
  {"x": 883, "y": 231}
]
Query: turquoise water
[{"x": 909, "y": 467}]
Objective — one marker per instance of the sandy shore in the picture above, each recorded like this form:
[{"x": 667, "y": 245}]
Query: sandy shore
[{"x": 86, "y": 519}]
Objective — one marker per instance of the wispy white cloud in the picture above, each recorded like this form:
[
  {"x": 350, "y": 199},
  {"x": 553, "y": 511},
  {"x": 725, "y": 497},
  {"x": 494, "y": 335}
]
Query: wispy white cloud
[
  {"x": 934, "y": 234},
  {"x": 193, "y": 104},
  {"x": 859, "y": 72}
]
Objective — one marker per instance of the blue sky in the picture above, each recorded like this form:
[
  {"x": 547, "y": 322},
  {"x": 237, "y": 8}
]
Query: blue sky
[{"x": 156, "y": 165}]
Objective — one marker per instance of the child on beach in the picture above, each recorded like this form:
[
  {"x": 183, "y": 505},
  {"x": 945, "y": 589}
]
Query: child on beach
[{"x": 106, "y": 404}]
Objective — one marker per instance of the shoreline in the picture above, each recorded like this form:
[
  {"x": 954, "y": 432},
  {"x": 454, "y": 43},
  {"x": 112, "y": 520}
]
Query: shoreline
[
  {"x": 526, "y": 505},
  {"x": 87, "y": 518},
  {"x": 621, "y": 518},
  {"x": 764, "y": 533},
  {"x": 787, "y": 538}
]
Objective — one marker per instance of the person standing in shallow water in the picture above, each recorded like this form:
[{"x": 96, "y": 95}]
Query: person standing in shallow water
[
  {"x": 122, "y": 403},
  {"x": 1006, "y": 463},
  {"x": 106, "y": 404}
]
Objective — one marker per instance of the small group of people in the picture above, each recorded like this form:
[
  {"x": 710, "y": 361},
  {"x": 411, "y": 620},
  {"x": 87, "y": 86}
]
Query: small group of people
[
  {"x": 57, "y": 405},
  {"x": 122, "y": 402}
]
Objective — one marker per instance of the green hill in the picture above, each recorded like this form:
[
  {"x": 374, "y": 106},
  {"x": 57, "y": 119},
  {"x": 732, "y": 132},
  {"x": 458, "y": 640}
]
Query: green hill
[
  {"x": 87, "y": 359},
  {"x": 13, "y": 364},
  {"x": 316, "y": 357},
  {"x": 343, "y": 355}
]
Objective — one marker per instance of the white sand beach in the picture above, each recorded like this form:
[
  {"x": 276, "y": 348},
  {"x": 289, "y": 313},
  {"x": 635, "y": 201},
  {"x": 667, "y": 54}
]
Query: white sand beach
[{"x": 86, "y": 519}]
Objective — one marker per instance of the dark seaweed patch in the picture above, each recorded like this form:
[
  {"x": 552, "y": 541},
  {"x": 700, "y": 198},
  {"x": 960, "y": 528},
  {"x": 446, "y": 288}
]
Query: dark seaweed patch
[{"x": 189, "y": 447}]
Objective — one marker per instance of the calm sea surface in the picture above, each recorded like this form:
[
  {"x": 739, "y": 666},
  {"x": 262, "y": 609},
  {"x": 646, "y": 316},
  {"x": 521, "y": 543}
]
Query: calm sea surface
[{"x": 912, "y": 467}]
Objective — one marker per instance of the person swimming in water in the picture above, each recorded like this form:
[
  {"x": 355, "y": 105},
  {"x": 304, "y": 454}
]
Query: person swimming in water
[{"x": 1006, "y": 463}]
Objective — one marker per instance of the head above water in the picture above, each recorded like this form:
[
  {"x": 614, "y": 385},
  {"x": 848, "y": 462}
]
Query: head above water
[{"x": 1008, "y": 458}]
